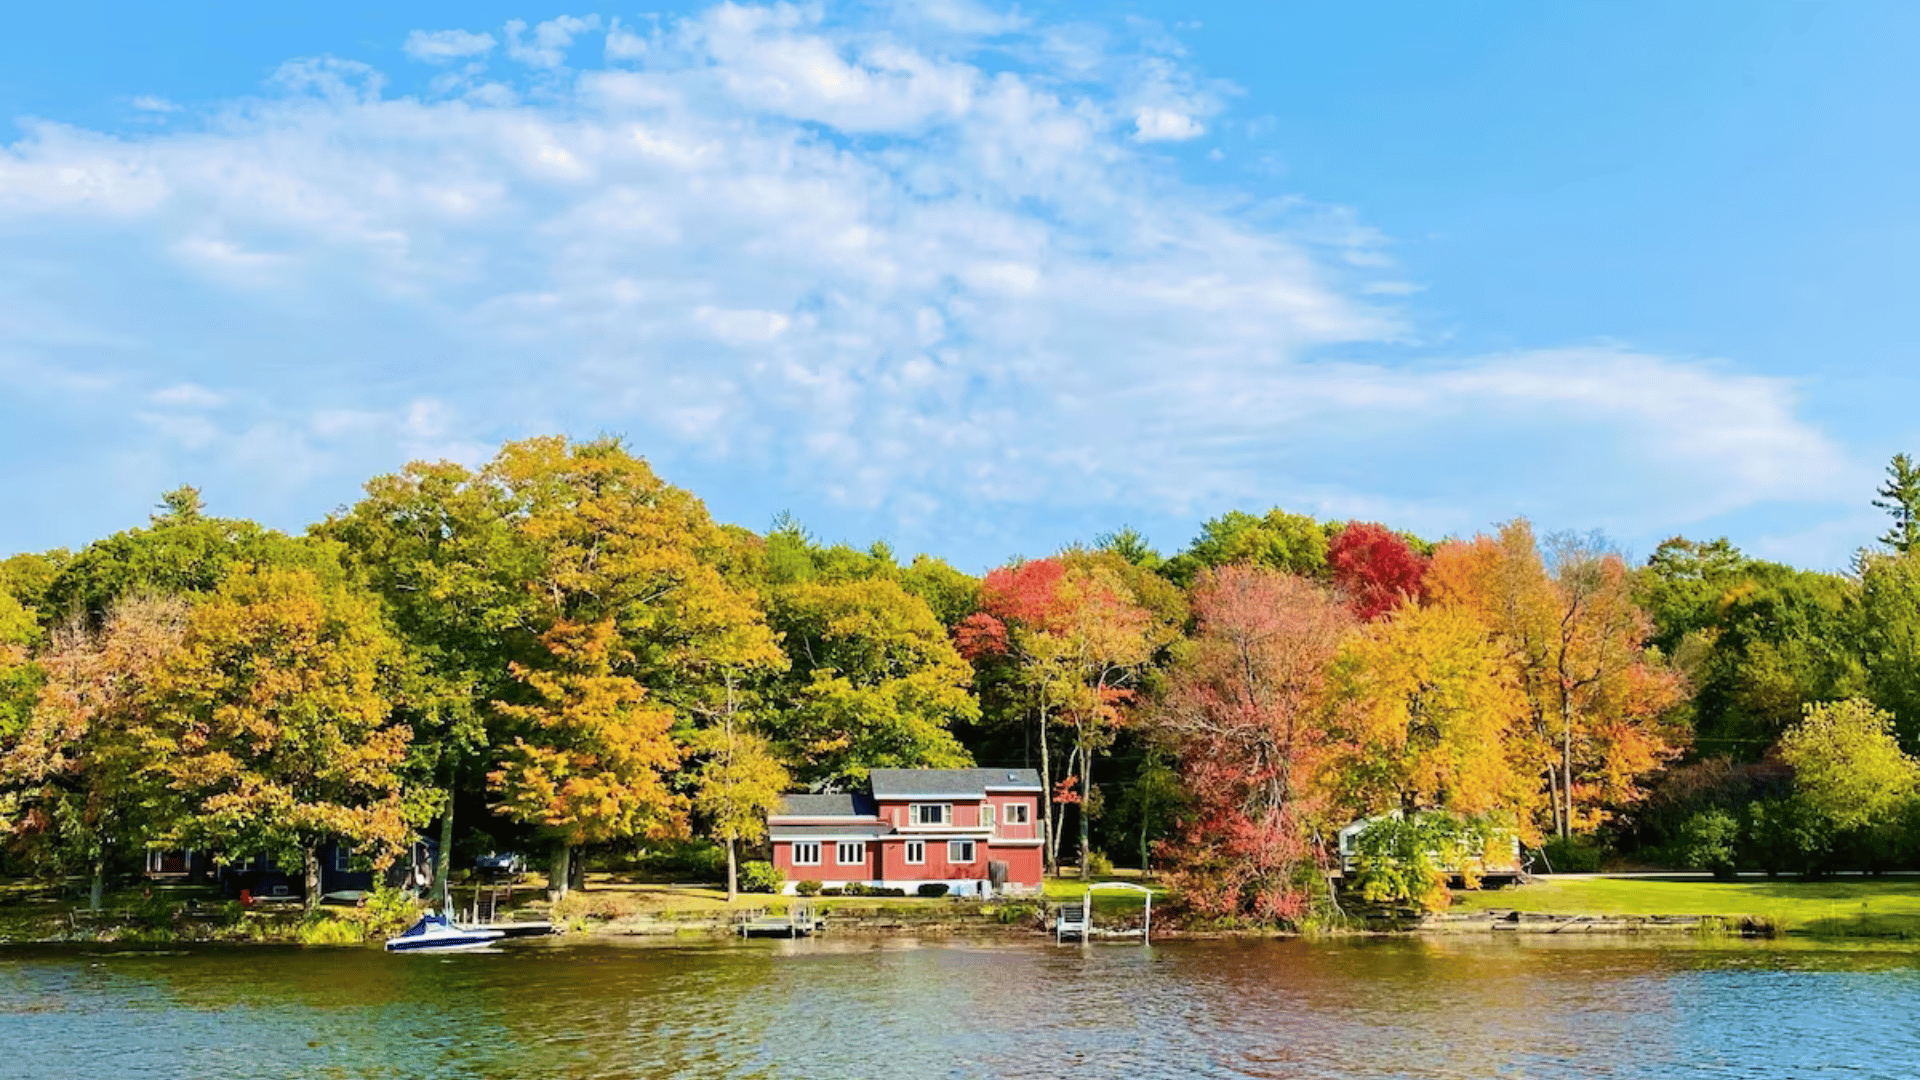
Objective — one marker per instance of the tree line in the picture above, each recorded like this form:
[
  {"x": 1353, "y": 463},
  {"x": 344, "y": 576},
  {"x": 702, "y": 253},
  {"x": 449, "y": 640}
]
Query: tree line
[{"x": 559, "y": 649}]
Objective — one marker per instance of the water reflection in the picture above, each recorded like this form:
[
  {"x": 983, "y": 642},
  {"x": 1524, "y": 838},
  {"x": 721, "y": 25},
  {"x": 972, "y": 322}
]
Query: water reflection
[{"x": 840, "y": 1008}]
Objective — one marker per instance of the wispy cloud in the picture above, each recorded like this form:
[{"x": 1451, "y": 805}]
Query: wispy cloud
[{"x": 864, "y": 265}]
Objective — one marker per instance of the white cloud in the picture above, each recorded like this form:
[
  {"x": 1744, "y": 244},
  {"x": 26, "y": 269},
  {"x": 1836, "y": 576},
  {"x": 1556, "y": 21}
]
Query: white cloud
[
  {"x": 149, "y": 103},
  {"x": 1165, "y": 125},
  {"x": 551, "y": 39},
  {"x": 441, "y": 46},
  {"x": 817, "y": 258}
]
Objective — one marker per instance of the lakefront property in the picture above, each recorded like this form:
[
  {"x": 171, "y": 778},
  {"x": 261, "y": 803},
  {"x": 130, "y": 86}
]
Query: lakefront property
[{"x": 976, "y": 831}]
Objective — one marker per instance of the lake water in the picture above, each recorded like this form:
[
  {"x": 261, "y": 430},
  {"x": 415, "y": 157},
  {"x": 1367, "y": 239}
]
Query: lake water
[{"x": 844, "y": 1008}]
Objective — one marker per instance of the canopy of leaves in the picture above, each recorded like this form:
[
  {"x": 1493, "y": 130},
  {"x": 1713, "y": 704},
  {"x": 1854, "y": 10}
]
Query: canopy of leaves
[
  {"x": 875, "y": 682},
  {"x": 1848, "y": 766},
  {"x": 1290, "y": 543},
  {"x": 272, "y": 729},
  {"x": 1376, "y": 569}
]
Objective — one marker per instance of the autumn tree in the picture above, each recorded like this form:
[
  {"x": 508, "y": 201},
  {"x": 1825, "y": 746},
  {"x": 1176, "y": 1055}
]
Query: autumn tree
[
  {"x": 1573, "y": 638},
  {"x": 1427, "y": 717},
  {"x": 272, "y": 727},
  {"x": 638, "y": 619},
  {"x": 74, "y": 765},
  {"x": 1376, "y": 569},
  {"x": 1076, "y": 634},
  {"x": 1242, "y": 711},
  {"x": 590, "y": 752},
  {"x": 737, "y": 782}
]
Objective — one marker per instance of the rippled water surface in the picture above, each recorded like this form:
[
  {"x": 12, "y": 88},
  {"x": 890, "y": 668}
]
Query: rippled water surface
[{"x": 856, "y": 1009}]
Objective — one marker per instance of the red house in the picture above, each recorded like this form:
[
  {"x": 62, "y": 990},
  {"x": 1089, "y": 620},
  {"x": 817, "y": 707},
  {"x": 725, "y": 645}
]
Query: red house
[{"x": 978, "y": 831}]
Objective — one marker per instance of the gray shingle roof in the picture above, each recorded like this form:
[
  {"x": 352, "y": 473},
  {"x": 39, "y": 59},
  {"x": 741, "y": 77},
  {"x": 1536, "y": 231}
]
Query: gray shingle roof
[
  {"x": 908, "y": 783},
  {"x": 846, "y": 804},
  {"x": 809, "y": 832}
]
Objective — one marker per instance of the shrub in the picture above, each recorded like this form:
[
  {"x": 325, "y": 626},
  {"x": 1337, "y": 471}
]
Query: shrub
[
  {"x": 833, "y": 892},
  {"x": 1098, "y": 865},
  {"x": 1709, "y": 840},
  {"x": 761, "y": 877},
  {"x": 933, "y": 888},
  {"x": 1572, "y": 855},
  {"x": 808, "y": 888},
  {"x": 1014, "y": 914}
]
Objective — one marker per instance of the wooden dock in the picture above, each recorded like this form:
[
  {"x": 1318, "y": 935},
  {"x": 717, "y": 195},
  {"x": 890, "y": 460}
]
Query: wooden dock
[{"x": 795, "y": 923}]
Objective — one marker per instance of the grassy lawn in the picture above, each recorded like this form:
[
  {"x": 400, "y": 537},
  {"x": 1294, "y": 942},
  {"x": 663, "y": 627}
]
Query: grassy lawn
[{"x": 1851, "y": 907}]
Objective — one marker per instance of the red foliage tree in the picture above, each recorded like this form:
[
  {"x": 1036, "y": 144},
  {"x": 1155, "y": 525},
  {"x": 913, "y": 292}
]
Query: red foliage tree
[
  {"x": 1240, "y": 710},
  {"x": 1375, "y": 569}
]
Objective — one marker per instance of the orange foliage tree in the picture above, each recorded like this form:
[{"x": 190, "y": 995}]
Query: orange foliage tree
[{"x": 1599, "y": 705}]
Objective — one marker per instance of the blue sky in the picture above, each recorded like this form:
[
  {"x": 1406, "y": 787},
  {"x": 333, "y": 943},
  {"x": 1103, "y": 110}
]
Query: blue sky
[{"x": 977, "y": 280}]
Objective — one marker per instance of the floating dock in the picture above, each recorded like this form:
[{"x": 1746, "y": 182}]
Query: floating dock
[{"x": 797, "y": 923}]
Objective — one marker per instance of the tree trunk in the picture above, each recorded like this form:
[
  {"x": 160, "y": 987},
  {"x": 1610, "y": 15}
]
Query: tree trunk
[
  {"x": 559, "y": 872},
  {"x": 1046, "y": 796},
  {"x": 577, "y": 869},
  {"x": 442, "y": 887},
  {"x": 97, "y": 895},
  {"x": 1086, "y": 793},
  {"x": 1566, "y": 779},
  {"x": 733, "y": 873},
  {"x": 310, "y": 861},
  {"x": 1146, "y": 868}
]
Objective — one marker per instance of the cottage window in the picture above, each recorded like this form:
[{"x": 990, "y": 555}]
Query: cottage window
[
  {"x": 850, "y": 854},
  {"x": 806, "y": 853},
  {"x": 916, "y": 852},
  {"x": 342, "y": 858},
  {"x": 1017, "y": 813},
  {"x": 932, "y": 814},
  {"x": 960, "y": 851}
]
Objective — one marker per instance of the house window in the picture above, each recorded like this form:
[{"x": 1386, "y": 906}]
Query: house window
[
  {"x": 986, "y": 816},
  {"x": 342, "y": 858},
  {"x": 806, "y": 853},
  {"x": 932, "y": 814},
  {"x": 1018, "y": 813},
  {"x": 960, "y": 851},
  {"x": 916, "y": 852},
  {"x": 850, "y": 854}
]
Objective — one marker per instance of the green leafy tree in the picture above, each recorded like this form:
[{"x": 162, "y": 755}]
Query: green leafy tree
[
  {"x": 1900, "y": 498},
  {"x": 1291, "y": 543},
  {"x": 875, "y": 682},
  {"x": 1850, "y": 774},
  {"x": 737, "y": 783},
  {"x": 1888, "y": 639}
]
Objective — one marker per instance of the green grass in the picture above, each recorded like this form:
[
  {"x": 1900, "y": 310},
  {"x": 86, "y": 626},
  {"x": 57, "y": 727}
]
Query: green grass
[
  {"x": 1849, "y": 908},
  {"x": 1117, "y": 903}
]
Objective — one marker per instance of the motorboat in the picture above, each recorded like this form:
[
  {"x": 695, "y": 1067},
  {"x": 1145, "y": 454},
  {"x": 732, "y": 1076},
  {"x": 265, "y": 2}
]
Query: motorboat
[{"x": 437, "y": 933}]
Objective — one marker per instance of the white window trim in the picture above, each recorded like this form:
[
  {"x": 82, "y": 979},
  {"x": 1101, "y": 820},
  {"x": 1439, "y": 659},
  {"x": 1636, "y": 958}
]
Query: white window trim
[
  {"x": 920, "y": 846},
  {"x": 800, "y": 849},
  {"x": 973, "y": 852},
  {"x": 1025, "y": 812},
  {"x": 986, "y": 815},
  {"x": 342, "y": 858},
  {"x": 946, "y": 813},
  {"x": 840, "y": 854}
]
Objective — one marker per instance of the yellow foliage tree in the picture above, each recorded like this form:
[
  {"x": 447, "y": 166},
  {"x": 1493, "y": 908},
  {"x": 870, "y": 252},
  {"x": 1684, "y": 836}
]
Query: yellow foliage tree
[{"x": 272, "y": 726}]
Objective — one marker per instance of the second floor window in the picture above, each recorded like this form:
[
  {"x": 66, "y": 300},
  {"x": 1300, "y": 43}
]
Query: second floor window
[
  {"x": 1016, "y": 813},
  {"x": 932, "y": 814}
]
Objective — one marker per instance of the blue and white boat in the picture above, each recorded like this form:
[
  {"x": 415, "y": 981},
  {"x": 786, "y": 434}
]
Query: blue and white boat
[{"x": 437, "y": 933}]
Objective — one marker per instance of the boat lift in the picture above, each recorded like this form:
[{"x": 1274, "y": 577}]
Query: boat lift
[{"x": 1074, "y": 922}]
